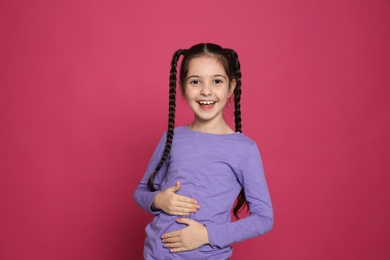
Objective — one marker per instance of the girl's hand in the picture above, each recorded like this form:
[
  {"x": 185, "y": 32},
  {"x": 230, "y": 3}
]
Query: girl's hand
[
  {"x": 174, "y": 204},
  {"x": 191, "y": 237}
]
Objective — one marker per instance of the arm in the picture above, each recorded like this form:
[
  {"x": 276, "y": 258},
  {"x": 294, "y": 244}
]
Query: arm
[
  {"x": 142, "y": 195},
  {"x": 251, "y": 176},
  {"x": 166, "y": 200}
]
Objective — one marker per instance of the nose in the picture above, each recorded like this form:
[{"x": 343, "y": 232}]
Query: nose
[{"x": 206, "y": 90}]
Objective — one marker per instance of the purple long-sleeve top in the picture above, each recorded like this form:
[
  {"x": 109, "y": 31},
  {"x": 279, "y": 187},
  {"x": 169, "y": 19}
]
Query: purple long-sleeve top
[{"x": 212, "y": 169}]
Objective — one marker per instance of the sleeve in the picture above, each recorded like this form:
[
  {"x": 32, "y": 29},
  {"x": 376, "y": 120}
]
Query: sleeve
[
  {"x": 142, "y": 195},
  {"x": 250, "y": 174}
]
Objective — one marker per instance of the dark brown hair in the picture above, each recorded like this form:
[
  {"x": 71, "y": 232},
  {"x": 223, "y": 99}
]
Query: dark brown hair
[{"x": 229, "y": 60}]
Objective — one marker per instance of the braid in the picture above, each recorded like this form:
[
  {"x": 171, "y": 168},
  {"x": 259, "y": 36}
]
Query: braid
[
  {"x": 235, "y": 67},
  {"x": 171, "y": 118},
  {"x": 237, "y": 91}
]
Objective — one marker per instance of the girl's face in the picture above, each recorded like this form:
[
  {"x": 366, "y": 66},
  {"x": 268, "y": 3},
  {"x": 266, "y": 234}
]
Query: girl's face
[{"x": 207, "y": 89}]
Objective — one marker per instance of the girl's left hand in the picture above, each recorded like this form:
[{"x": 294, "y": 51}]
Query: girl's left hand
[{"x": 191, "y": 237}]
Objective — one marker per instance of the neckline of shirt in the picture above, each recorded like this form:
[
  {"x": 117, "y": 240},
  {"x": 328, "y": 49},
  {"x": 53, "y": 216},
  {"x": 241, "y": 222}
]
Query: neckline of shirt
[{"x": 187, "y": 129}]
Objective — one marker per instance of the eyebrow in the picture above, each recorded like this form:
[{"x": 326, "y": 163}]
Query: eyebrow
[{"x": 214, "y": 76}]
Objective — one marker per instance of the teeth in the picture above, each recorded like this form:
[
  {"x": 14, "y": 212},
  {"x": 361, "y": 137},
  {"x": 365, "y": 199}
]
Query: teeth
[{"x": 206, "y": 102}]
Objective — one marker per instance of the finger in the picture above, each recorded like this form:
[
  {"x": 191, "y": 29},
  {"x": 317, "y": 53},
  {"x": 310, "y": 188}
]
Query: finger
[
  {"x": 171, "y": 234},
  {"x": 175, "y": 187},
  {"x": 171, "y": 240},
  {"x": 185, "y": 207},
  {"x": 186, "y": 202},
  {"x": 186, "y": 199},
  {"x": 179, "y": 211},
  {"x": 173, "y": 245},
  {"x": 178, "y": 185},
  {"x": 182, "y": 213}
]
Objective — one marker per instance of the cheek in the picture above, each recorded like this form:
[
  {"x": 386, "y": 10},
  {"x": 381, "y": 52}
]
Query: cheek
[
  {"x": 184, "y": 93},
  {"x": 189, "y": 93},
  {"x": 187, "y": 97},
  {"x": 223, "y": 94}
]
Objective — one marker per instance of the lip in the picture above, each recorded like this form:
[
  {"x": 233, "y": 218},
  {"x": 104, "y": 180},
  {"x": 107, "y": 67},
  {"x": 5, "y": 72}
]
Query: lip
[
  {"x": 206, "y": 105},
  {"x": 206, "y": 101}
]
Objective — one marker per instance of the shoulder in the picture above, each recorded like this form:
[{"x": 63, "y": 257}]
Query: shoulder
[
  {"x": 180, "y": 129},
  {"x": 246, "y": 150},
  {"x": 177, "y": 130},
  {"x": 241, "y": 139},
  {"x": 245, "y": 139}
]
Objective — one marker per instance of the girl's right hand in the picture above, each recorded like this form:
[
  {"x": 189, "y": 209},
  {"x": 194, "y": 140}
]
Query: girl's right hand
[{"x": 174, "y": 204}]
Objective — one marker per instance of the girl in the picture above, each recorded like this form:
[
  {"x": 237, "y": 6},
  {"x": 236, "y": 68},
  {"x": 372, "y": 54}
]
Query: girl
[{"x": 198, "y": 170}]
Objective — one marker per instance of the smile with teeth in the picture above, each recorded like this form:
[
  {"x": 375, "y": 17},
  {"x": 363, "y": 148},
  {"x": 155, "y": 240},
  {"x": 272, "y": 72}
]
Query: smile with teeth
[{"x": 206, "y": 102}]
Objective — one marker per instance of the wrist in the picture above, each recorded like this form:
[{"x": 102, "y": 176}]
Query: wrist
[{"x": 155, "y": 202}]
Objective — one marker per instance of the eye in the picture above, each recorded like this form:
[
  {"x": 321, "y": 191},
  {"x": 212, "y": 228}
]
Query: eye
[
  {"x": 218, "y": 81},
  {"x": 194, "y": 82}
]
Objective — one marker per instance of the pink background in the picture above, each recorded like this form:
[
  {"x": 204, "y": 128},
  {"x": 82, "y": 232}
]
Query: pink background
[{"x": 84, "y": 95}]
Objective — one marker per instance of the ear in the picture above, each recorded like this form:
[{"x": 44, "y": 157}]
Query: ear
[{"x": 232, "y": 87}]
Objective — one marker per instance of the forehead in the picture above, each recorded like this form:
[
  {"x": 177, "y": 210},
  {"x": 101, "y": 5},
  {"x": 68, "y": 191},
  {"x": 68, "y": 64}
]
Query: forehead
[{"x": 205, "y": 65}]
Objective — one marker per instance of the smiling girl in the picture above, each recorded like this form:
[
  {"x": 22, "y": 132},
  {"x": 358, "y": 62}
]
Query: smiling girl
[{"x": 198, "y": 171}]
